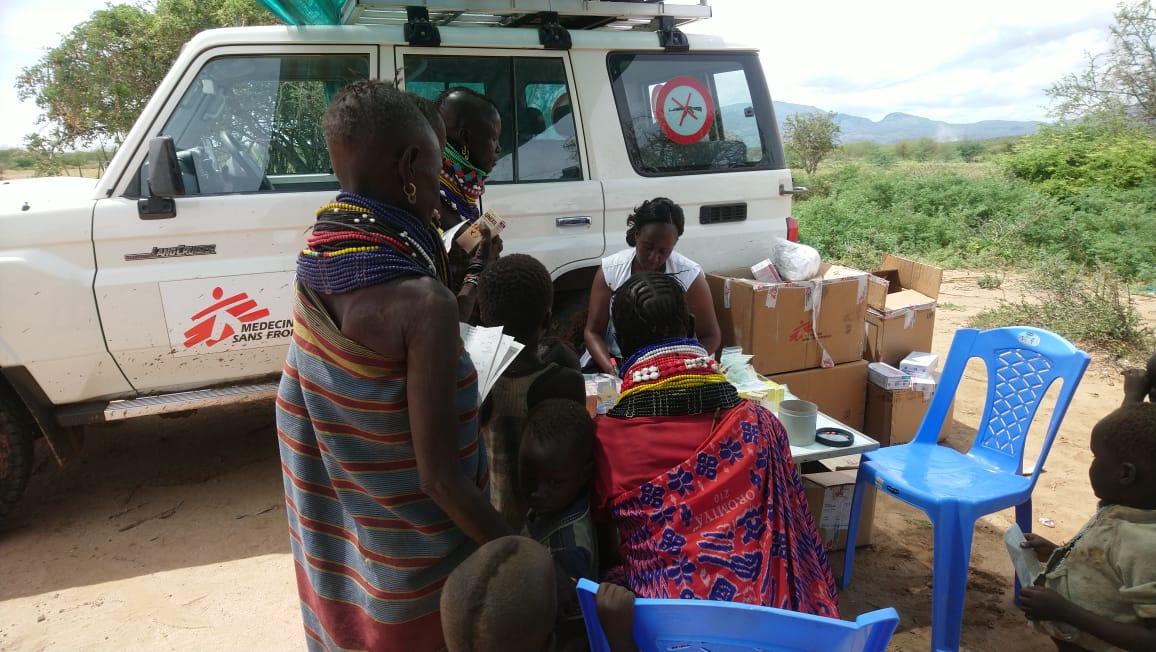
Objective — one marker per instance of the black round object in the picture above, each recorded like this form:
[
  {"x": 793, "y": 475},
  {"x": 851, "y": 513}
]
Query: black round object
[{"x": 834, "y": 437}]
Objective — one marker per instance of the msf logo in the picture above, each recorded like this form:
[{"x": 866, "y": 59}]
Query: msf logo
[{"x": 223, "y": 319}]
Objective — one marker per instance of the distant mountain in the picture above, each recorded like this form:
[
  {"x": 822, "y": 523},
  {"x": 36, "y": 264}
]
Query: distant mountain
[{"x": 896, "y": 126}]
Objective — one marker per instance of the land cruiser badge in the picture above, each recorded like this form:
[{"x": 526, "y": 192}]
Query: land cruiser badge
[{"x": 175, "y": 252}]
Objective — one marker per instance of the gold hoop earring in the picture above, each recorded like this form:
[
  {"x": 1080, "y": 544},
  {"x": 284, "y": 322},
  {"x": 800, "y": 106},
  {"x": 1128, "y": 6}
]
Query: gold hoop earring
[
  {"x": 466, "y": 152},
  {"x": 410, "y": 192}
]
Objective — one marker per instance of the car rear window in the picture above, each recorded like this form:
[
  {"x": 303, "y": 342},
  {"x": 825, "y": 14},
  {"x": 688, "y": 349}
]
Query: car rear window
[{"x": 691, "y": 113}]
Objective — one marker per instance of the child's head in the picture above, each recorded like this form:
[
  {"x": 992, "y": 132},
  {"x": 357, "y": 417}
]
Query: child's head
[
  {"x": 1123, "y": 470},
  {"x": 516, "y": 292},
  {"x": 501, "y": 598},
  {"x": 557, "y": 454}
]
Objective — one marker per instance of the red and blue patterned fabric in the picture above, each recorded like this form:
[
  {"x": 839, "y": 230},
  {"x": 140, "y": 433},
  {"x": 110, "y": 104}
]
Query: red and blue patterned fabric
[{"x": 729, "y": 522}]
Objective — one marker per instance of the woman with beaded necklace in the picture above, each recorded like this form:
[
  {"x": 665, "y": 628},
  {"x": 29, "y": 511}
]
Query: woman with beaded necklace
[
  {"x": 699, "y": 484},
  {"x": 473, "y": 130},
  {"x": 385, "y": 475}
]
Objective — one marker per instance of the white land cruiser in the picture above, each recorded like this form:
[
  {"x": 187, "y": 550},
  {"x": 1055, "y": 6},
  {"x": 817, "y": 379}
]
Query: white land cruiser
[{"x": 165, "y": 286}]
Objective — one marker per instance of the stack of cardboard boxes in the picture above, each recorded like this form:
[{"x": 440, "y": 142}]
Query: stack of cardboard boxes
[
  {"x": 807, "y": 335},
  {"x": 817, "y": 337},
  {"x": 902, "y": 299}
]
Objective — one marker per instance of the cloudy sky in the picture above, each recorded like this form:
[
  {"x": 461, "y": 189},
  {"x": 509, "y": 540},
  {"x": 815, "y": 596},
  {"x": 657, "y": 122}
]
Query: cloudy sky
[{"x": 943, "y": 59}]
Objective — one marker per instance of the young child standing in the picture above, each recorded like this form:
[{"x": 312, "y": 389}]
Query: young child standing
[
  {"x": 1098, "y": 591},
  {"x": 516, "y": 292},
  {"x": 557, "y": 460}
]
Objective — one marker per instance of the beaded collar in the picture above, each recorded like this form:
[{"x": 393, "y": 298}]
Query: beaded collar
[
  {"x": 358, "y": 242},
  {"x": 675, "y": 377}
]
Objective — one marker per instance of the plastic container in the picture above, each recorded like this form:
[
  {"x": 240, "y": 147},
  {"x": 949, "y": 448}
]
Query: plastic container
[{"x": 800, "y": 418}]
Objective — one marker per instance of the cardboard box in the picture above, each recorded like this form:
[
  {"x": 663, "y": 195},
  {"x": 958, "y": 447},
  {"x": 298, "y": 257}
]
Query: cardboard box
[
  {"x": 893, "y": 416},
  {"x": 919, "y": 364},
  {"x": 766, "y": 272},
  {"x": 775, "y": 322},
  {"x": 887, "y": 377},
  {"x": 839, "y": 391},
  {"x": 829, "y": 496},
  {"x": 901, "y": 300}
]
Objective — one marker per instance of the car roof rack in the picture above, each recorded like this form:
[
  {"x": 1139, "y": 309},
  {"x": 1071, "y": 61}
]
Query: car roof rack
[{"x": 645, "y": 15}]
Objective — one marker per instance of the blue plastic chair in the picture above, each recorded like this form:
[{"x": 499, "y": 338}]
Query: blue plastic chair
[
  {"x": 955, "y": 489},
  {"x": 712, "y": 626}
]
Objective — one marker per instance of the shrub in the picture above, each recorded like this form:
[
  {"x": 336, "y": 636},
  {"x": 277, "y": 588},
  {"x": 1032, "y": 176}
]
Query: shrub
[
  {"x": 1064, "y": 160},
  {"x": 990, "y": 282},
  {"x": 968, "y": 215},
  {"x": 1093, "y": 308}
]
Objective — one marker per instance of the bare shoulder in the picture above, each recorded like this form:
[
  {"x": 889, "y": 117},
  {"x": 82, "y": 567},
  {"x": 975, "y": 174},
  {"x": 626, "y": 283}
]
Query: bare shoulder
[{"x": 385, "y": 317}]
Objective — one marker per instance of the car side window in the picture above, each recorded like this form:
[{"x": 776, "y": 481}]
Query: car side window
[
  {"x": 253, "y": 123},
  {"x": 539, "y": 139},
  {"x": 696, "y": 113}
]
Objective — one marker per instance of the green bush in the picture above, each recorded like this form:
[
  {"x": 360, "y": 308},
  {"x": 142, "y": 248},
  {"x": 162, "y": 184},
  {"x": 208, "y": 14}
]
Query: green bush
[
  {"x": 1067, "y": 159},
  {"x": 970, "y": 216}
]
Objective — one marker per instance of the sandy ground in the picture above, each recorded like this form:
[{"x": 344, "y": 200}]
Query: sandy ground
[{"x": 170, "y": 533}]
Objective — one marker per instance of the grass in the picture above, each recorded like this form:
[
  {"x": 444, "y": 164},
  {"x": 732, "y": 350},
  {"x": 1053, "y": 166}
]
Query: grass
[
  {"x": 973, "y": 216},
  {"x": 1082, "y": 249},
  {"x": 1095, "y": 309}
]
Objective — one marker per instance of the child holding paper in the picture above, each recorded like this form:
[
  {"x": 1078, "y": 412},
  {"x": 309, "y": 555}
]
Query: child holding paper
[
  {"x": 516, "y": 293},
  {"x": 1098, "y": 591}
]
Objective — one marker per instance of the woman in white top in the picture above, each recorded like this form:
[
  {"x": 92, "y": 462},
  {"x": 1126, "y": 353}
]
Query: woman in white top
[{"x": 652, "y": 231}]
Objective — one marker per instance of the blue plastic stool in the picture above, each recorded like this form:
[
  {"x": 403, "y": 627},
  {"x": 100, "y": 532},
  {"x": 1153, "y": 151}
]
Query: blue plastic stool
[
  {"x": 955, "y": 489},
  {"x": 713, "y": 626}
]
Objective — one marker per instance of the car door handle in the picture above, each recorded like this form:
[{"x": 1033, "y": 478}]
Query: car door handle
[{"x": 574, "y": 220}]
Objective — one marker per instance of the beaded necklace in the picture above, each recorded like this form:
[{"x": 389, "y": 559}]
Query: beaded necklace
[
  {"x": 461, "y": 184},
  {"x": 357, "y": 242},
  {"x": 675, "y": 377}
]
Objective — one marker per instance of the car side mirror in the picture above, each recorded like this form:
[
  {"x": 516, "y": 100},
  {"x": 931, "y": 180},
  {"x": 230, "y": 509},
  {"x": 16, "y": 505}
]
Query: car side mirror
[{"x": 165, "y": 178}]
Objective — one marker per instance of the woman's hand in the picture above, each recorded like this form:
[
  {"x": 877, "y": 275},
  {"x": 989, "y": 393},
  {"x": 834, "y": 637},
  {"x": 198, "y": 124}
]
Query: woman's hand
[
  {"x": 597, "y": 319},
  {"x": 701, "y": 304},
  {"x": 433, "y": 346}
]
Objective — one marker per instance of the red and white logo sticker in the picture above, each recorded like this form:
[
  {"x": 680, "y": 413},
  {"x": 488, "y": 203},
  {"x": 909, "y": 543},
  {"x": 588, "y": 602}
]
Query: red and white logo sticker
[
  {"x": 685, "y": 110},
  {"x": 226, "y": 313}
]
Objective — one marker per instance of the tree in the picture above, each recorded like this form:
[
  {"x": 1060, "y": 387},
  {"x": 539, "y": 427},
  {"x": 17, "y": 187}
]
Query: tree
[
  {"x": 1121, "y": 81},
  {"x": 92, "y": 86},
  {"x": 970, "y": 150},
  {"x": 811, "y": 137},
  {"x": 47, "y": 153}
]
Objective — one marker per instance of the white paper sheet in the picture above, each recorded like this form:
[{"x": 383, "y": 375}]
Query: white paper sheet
[
  {"x": 491, "y": 351},
  {"x": 1025, "y": 561}
]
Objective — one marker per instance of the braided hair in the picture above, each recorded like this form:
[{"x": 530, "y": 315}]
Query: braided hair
[
  {"x": 659, "y": 210},
  {"x": 516, "y": 292},
  {"x": 648, "y": 308}
]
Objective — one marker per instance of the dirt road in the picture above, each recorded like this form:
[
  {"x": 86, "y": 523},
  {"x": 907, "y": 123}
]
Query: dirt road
[{"x": 170, "y": 533}]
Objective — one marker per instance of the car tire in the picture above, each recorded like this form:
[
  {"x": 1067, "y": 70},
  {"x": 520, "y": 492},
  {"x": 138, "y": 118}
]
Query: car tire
[{"x": 17, "y": 434}]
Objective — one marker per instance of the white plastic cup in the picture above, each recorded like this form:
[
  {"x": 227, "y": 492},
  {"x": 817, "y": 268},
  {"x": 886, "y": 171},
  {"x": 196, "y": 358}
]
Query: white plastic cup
[{"x": 800, "y": 418}]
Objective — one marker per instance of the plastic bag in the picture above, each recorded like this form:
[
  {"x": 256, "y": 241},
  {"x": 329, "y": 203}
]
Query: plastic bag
[{"x": 795, "y": 262}]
